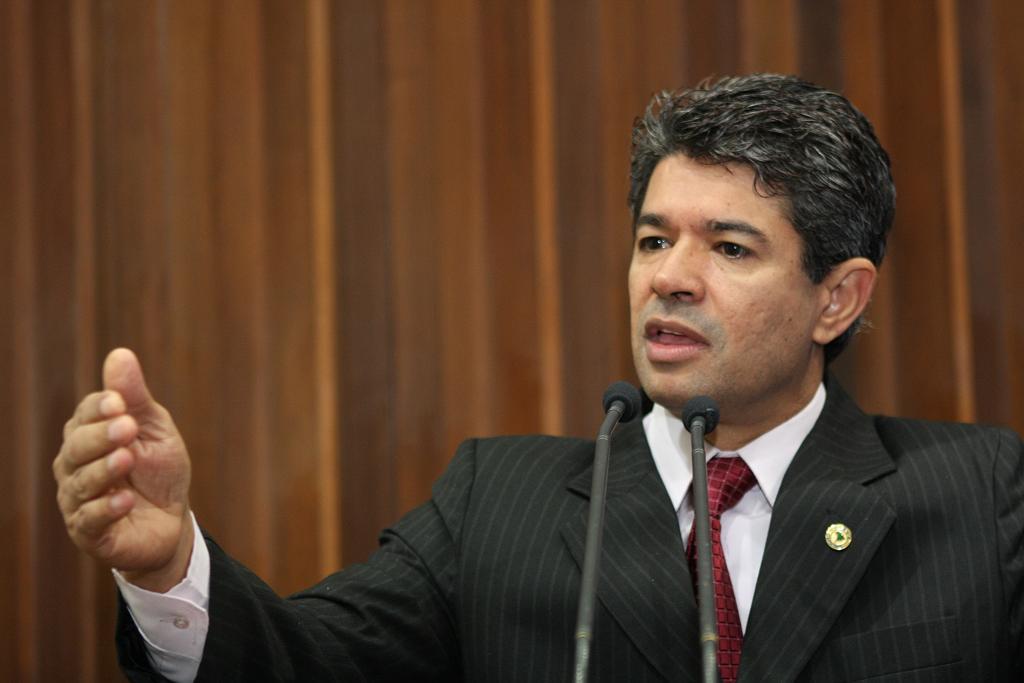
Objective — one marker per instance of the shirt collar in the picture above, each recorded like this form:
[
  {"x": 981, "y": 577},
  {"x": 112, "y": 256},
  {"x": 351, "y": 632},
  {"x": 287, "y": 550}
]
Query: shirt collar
[{"x": 768, "y": 456}]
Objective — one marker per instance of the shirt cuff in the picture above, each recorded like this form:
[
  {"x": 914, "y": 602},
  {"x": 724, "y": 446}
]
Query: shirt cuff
[{"x": 174, "y": 624}]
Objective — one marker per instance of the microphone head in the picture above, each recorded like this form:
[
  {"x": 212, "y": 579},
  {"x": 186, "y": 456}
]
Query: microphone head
[
  {"x": 704, "y": 406},
  {"x": 628, "y": 394}
]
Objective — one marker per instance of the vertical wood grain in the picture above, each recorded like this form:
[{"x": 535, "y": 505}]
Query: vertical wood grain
[
  {"x": 95, "y": 659},
  {"x": 510, "y": 214},
  {"x": 240, "y": 497},
  {"x": 919, "y": 260},
  {"x": 819, "y": 46},
  {"x": 549, "y": 306},
  {"x": 1006, "y": 340},
  {"x": 982, "y": 147},
  {"x": 53, "y": 564},
  {"x": 466, "y": 298},
  {"x": 18, "y": 360},
  {"x": 768, "y": 39},
  {"x": 195, "y": 398},
  {"x": 952, "y": 141},
  {"x": 365, "y": 339},
  {"x": 712, "y": 40},
  {"x": 868, "y": 366},
  {"x": 291, "y": 367},
  {"x": 322, "y": 224},
  {"x": 581, "y": 283},
  {"x": 415, "y": 252}
]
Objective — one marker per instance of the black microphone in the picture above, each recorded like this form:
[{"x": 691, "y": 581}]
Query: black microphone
[
  {"x": 700, "y": 415},
  {"x": 623, "y": 397},
  {"x": 621, "y": 403}
]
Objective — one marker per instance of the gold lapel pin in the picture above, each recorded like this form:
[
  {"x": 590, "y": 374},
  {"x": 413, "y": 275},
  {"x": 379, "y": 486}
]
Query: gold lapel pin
[{"x": 838, "y": 536}]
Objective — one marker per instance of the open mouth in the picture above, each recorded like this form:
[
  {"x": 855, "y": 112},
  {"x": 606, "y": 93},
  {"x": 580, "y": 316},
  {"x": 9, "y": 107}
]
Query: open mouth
[{"x": 668, "y": 341}]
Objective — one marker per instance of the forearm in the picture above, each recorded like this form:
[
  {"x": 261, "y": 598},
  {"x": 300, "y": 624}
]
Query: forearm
[{"x": 382, "y": 620}]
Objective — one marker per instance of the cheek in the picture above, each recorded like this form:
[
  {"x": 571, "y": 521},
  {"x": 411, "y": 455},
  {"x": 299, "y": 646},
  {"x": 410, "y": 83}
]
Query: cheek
[
  {"x": 637, "y": 287},
  {"x": 789, "y": 321},
  {"x": 763, "y": 320}
]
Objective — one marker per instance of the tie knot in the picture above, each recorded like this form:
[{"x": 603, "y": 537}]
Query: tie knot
[{"x": 728, "y": 480}]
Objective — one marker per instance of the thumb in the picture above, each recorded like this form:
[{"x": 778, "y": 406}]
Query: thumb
[{"x": 123, "y": 373}]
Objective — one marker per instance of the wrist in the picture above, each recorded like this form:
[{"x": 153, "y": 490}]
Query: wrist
[{"x": 172, "y": 573}]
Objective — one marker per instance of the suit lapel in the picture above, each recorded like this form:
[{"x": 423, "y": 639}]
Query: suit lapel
[
  {"x": 803, "y": 584},
  {"x": 644, "y": 581}
]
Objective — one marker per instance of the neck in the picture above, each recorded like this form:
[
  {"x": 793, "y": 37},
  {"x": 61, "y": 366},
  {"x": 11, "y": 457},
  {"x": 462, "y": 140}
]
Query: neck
[{"x": 734, "y": 434}]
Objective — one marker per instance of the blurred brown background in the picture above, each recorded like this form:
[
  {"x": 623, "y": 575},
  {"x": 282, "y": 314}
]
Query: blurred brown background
[{"x": 342, "y": 236}]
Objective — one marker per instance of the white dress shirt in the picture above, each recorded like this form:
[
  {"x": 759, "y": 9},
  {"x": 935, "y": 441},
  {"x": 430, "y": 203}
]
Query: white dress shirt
[
  {"x": 745, "y": 525},
  {"x": 174, "y": 624}
]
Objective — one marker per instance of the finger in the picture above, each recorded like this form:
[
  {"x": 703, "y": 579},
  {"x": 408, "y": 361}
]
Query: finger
[
  {"x": 123, "y": 373},
  {"x": 93, "y": 480},
  {"x": 96, "y": 406},
  {"x": 93, "y": 518},
  {"x": 91, "y": 441}
]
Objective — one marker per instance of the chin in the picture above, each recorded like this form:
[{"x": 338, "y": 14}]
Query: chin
[{"x": 671, "y": 392}]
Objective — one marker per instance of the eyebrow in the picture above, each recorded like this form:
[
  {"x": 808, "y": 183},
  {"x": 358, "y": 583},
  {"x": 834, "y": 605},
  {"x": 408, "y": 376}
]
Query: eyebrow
[
  {"x": 741, "y": 227},
  {"x": 651, "y": 219},
  {"x": 657, "y": 221}
]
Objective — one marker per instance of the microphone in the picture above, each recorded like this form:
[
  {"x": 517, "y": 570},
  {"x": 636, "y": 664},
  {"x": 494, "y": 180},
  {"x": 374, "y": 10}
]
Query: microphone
[
  {"x": 701, "y": 407},
  {"x": 622, "y": 402},
  {"x": 700, "y": 415},
  {"x": 624, "y": 397}
]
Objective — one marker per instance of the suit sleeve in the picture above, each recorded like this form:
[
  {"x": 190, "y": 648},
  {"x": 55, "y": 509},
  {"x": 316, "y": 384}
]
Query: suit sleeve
[
  {"x": 1008, "y": 486},
  {"x": 388, "y": 619}
]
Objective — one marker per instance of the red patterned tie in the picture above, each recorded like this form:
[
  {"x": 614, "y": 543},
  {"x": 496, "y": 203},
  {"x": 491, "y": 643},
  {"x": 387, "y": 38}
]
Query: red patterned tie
[{"x": 728, "y": 480}]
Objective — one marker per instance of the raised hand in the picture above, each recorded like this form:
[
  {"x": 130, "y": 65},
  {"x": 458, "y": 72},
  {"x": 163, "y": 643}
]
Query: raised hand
[{"x": 122, "y": 479}]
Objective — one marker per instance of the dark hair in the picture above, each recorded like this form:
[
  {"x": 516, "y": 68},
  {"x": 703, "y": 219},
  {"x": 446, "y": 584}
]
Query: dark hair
[{"x": 804, "y": 143}]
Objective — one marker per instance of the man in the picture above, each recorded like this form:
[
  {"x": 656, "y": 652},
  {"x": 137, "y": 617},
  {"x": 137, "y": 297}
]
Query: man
[{"x": 855, "y": 547}]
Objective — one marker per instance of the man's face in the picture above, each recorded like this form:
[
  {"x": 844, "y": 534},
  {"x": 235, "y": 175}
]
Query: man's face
[{"x": 720, "y": 303}]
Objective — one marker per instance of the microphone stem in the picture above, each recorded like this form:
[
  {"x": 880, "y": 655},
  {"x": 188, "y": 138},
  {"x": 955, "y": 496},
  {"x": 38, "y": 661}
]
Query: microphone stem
[
  {"x": 705, "y": 585},
  {"x": 595, "y": 529}
]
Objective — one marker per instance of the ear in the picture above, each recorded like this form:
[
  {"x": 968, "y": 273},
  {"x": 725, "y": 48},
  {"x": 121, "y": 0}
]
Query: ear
[{"x": 846, "y": 291}]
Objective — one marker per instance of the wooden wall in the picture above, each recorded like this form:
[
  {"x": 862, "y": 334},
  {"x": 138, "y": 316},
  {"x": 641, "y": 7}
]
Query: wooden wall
[{"x": 344, "y": 235}]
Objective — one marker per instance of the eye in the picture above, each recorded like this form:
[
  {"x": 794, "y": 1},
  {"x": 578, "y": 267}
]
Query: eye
[
  {"x": 733, "y": 251},
  {"x": 652, "y": 243}
]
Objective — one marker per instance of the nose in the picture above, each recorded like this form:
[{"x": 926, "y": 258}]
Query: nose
[{"x": 679, "y": 274}]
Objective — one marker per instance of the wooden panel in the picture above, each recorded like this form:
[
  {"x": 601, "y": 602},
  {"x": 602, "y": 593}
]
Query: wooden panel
[
  {"x": 196, "y": 191},
  {"x": 919, "y": 259},
  {"x": 868, "y": 367},
  {"x": 467, "y": 356},
  {"x": 291, "y": 359},
  {"x": 769, "y": 41},
  {"x": 1001, "y": 400},
  {"x": 820, "y": 47},
  {"x": 324, "y": 295},
  {"x": 510, "y": 213},
  {"x": 239, "y": 493},
  {"x": 981, "y": 178},
  {"x": 954, "y": 201},
  {"x": 365, "y": 339},
  {"x": 581, "y": 284},
  {"x": 713, "y": 46},
  {"x": 415, "y": 251},
  {"x": 96, "y": 660},
  {"x": 546, "y": 219},
  {"x": 19, "y": 649},
  {"x": 55, "y": 595}
]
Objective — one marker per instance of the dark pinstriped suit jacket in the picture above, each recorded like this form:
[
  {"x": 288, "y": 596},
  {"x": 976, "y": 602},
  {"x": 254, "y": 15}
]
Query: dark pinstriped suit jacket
[{"x": 480, "y": 584}]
